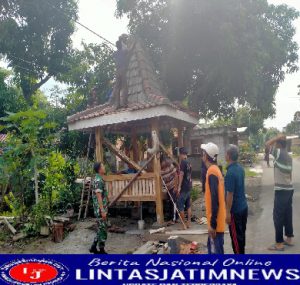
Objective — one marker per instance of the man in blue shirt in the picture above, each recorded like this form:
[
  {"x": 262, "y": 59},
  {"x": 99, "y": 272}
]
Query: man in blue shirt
[{"x": 236, "y": 202}]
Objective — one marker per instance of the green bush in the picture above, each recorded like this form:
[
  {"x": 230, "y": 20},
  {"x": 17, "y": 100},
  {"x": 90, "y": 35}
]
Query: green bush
[
  {"x": 296, "y": 150},
  {"x": 37, "y": 218},
  {"x": 247, "y": 154},
  {"x": 195, "y": 193}
]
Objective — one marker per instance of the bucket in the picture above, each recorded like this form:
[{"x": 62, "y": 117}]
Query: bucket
[
  {"x": 141, "y": 224},
  {"x": 44, "y": 231}
]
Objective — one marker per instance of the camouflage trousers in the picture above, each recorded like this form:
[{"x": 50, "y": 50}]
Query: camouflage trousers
[{"x": 101, "y": 235}]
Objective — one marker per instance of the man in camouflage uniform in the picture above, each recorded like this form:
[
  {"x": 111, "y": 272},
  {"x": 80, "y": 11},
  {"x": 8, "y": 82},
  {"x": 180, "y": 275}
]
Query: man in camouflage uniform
[{"x": 100, "y": 204}]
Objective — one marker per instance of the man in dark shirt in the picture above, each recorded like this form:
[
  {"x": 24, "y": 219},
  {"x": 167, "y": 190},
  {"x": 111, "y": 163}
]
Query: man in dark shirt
[
  {"x": 122, "y": 56},
  {"x": 185, "y": 186},
  {"x": 236, "y": 202},
  {"x": 170, "y": 178}
]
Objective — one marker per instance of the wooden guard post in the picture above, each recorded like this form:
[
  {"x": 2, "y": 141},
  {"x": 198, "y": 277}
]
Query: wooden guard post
[{"x": 158, "y": 185}]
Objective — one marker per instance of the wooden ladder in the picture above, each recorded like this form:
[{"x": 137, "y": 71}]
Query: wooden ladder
[
  {"x": 85, "y": 198},
  {"x": 86, "y": 188}
]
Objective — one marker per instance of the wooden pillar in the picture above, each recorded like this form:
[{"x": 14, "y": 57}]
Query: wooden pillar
[
  {"x": 187, "y": 140},
  {"x": 134, "y": 144},
  {"x": 180, "y": 136},
  {"x": 99, "y": 141},
  {"x": 158, "y": 183}
]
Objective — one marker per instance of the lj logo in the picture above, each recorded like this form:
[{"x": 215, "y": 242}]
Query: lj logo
[{"x": 33, "y": 271}]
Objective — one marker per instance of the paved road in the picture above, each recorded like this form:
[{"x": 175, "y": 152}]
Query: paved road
[{"x": 260, "y": 232}]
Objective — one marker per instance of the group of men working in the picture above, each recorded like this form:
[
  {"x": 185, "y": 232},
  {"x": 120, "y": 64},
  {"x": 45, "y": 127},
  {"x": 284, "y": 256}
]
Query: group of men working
[{"x": 225, "y": 198}]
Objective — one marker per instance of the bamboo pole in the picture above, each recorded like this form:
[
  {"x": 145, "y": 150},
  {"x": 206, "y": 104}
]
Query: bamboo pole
[
  {"x": 157, "y": 172},
  {"x": 164, "y": 149},
  {"x": 131, "y": 181},
  {"x": 121, "y": 155},
  {"x": 182, "y": 221},
  {"x": 99, "y": 141}
]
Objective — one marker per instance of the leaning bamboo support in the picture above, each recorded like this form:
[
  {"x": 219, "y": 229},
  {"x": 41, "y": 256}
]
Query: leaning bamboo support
[
  {"x": 131, "y": 181},
  {"x": 174, "y": 203},
  {"x": 121, "y": 155},
  {"x": 164, "y": 149}
]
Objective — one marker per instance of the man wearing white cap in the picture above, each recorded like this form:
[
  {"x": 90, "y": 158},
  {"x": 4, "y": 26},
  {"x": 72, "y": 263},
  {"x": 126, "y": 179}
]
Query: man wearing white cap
[{"x": 214, "y": 199}]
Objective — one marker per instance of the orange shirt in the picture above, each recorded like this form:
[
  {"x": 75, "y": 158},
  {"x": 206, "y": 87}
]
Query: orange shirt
[{"x": 221, "y": 216}]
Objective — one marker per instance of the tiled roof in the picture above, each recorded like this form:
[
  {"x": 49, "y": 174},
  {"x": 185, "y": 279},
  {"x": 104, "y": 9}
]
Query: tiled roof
[{"x": 144, "y": 90}]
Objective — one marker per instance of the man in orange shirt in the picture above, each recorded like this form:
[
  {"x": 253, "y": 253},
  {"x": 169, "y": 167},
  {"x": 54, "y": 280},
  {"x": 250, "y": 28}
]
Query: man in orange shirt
[{"x": 214, "y": 199}]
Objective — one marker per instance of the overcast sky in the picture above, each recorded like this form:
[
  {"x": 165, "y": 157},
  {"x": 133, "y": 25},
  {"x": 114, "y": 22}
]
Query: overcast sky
[{"x": 99, "y": 15}]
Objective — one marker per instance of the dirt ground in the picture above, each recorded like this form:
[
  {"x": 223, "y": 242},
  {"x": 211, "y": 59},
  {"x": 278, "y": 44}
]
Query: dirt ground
[{"x": 81, "y": 238}]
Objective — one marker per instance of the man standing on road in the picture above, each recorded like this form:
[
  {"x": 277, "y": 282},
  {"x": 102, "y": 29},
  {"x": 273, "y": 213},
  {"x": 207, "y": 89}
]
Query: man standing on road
[
  {"x": 185, "y": 186},
  {"x": 284, "y": 191},
  {"x": 214, "y": 200},
  {"x": 236, "y": 202}
]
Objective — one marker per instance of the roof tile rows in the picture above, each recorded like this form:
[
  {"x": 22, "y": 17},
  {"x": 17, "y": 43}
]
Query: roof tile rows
[{"x": 144, "y": 89}]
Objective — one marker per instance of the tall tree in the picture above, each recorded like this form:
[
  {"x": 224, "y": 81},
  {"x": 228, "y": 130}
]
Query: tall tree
[
  {"x": 35, "y": 37},
  {"x": 243, "y": 117},
  {"x": 217, "y": 53},
  {"x": 91, "y": 67},
  {"x": 11, "y": 99}
]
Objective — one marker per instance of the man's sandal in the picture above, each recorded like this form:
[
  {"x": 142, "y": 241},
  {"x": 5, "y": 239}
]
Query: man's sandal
[
  {"x": 288, "y": 244},
  {"x": 275, "y": 248}
]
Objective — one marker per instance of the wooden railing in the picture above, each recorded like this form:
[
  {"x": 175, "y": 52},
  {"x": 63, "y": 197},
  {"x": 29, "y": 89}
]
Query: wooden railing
[{"x": 143, "y": 189}]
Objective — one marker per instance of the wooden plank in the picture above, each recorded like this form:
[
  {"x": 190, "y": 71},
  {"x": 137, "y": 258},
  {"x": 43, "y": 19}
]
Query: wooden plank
[
  {"x": 99, "y": 141},
  {"x": 133, "y": 198},
  {"x": 7, "y": 218},
  {"x": 10, "y": 227},
  {"x": 180, "y": 136},
  {"x": 147, "y": 248},
  {"x": 61, "y": 219},
  {"x": 190, "y": 232},
  {"x": 131, "y": 181},
  {"x": 121, "y": 155},
  {"x": 157, "y": 170},
  {"x": 19, "y": 236},
  {"x": 134, "y": 144},
  {"x": 126, "y": 177},
  {"x": 160, "y": 230},
  {"x": 134, "y": 189}
]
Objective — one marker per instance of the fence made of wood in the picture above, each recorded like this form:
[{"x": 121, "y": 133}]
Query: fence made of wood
[{"x": 143, "y": 189}]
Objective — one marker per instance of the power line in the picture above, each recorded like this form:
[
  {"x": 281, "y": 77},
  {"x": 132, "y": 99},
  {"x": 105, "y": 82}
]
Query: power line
[{"x": 80, "y": 24}]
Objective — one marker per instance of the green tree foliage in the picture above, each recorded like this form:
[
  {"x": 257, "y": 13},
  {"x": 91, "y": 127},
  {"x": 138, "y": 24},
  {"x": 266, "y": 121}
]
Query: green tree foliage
[
  {"x": 217, "y": 52},
  {"x": 271, "y": 133},
  {"x": 243, "y": 117},
  {"x": 11, "y": 99},
  {"x": 30, "y": 139},
  {"x": 35, "y": 37},
  {"x": 293, "y": 128},
  {"x": 92, "y": 67}
]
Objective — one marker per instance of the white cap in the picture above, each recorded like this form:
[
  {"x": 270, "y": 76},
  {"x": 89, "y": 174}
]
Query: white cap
[{"x": 211, "y": 149}]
